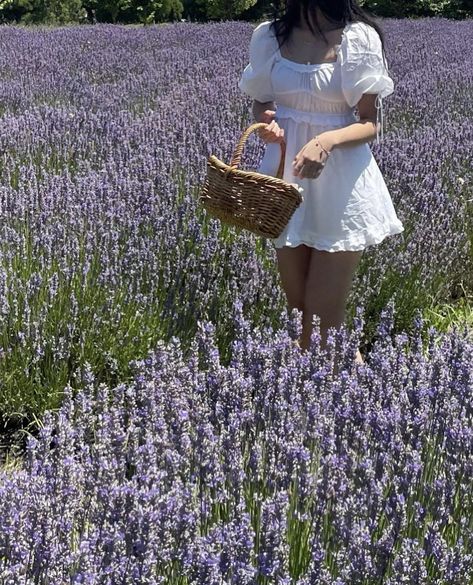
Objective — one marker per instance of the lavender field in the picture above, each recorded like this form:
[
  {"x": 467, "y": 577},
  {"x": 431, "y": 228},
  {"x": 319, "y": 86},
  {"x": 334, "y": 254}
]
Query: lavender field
[{"x": 175, "y": 433}]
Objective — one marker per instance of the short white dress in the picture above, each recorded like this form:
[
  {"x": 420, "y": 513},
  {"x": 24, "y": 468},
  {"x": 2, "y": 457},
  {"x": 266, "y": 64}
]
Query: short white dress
[{"x": 348, "y": 206}]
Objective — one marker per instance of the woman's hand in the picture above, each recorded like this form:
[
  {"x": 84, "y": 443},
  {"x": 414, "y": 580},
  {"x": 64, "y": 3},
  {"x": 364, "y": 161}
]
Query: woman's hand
[
  {"x": 267, "y": 116},
  {"x": 273, "y": 133},
  {"x": 310, "y": 160}
]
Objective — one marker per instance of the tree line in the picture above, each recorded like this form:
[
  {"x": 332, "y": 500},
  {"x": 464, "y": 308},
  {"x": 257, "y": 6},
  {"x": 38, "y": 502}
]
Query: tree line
[{"x": 154, "y": 11}]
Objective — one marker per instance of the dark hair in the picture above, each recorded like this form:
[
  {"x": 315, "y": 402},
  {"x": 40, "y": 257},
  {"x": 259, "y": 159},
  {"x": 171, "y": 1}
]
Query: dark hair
[{"x": 340, "y": 12}]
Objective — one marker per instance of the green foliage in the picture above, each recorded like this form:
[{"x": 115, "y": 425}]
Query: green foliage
[
  {"x": 252, "y": 10},
  {"x": 142, "y": 11},
  {"x": 227, "y": 9},
  {"x": 106, "y": 10},
  {"x": 151, "y": 11},
  {"x": 419, "y": 8},
  {"x": 195, "y": 9},
  {"x": 386, "y": 8},
  {"x": 53, "y": 11},
  {"x": 148, "y": 12},
  {"x": 42, "y": 11},
  {"x": 445, "y": 317},
  {"x": 78, "y": 11}
]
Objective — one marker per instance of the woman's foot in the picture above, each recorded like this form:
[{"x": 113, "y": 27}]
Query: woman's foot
[
  {"x": 357, "y": 363},
  {"x": 359, "y": 357},
  {"x": 296, "y": 343}
]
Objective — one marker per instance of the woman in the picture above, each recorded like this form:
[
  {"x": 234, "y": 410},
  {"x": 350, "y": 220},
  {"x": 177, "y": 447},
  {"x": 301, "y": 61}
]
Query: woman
[{"x": 318, "y": 61}]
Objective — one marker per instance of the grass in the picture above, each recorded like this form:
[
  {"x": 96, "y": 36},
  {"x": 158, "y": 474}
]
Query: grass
[{"x": 447, "y": 317}]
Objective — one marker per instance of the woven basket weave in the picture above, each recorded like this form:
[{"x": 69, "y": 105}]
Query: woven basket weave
[{"x": 246, "y": 199}]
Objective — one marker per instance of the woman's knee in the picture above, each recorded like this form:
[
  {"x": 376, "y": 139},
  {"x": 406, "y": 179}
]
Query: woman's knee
[
  {"x": 293, "y": 267},
  {"x": 328, "y": 284}
]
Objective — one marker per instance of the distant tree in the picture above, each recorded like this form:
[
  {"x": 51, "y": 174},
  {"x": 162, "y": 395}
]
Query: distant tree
[
  {"x": 151, "y": 11},
  {"x": 418, "y": 8},
  {"x": 384, "y": 8},
  {"x": 195, "y": 9},
  {"x": 128, "y": 11},
  {"x": 228, "y": 9},
  {"x": 105, "y": 10},
  {"x": 44, "y": 11},
  {"x": 261, "y": 9},
  {"x": 63, "y": 11},
  {"x": 11, "y": 11}
]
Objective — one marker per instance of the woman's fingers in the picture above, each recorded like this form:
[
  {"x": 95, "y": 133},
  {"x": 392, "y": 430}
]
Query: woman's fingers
[
  {"x": 299, "y": 156},
  {"x": 269, "y": 115},
  {"x": 308, "y": 171},
  {"x": 266, "y": 133},
  {"x": 272, "y": 133},
  {"x": 298, "y": 162},
  {"x": 280, "y": 135}
]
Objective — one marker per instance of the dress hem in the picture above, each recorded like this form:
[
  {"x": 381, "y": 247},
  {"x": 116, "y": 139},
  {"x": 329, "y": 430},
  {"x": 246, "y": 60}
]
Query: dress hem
[{"x": 340, "y": 246}]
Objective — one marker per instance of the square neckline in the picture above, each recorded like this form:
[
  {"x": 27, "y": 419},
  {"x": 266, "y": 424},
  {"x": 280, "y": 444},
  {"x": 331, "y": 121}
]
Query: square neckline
[{"x": 311, "y": 66}]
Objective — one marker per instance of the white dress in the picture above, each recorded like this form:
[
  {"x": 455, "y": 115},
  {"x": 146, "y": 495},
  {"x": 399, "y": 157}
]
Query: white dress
[{"x": 348, "y": 206}]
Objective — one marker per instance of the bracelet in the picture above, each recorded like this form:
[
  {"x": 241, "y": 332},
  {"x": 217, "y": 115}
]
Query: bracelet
[{"x": 326, "y": 151}]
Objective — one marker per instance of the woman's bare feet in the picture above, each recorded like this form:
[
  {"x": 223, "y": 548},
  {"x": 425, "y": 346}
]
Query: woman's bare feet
[{"x": 359, "y": 357}]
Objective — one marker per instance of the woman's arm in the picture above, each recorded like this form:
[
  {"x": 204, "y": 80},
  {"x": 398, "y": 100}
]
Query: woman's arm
[
  {"x": 356, "y": 133},
  {"x": 310, "y": 160}
]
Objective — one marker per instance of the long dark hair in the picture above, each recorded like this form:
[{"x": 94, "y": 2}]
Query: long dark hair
[{"x": 287, "y": 15}]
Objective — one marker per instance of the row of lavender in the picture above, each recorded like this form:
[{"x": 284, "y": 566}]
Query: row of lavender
[
  {"x": 103, "y": 141},
  {"x": 251, "y": 464},
  {"x": 103, "y": 249},
  {"x": 267, "y": 470},
  {"x": 428, "y": 167}
]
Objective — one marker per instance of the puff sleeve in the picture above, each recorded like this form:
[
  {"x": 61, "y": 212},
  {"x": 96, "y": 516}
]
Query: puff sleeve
[
  {"x": 256, "y": 78},
  {"x": 363, "y": 68}
]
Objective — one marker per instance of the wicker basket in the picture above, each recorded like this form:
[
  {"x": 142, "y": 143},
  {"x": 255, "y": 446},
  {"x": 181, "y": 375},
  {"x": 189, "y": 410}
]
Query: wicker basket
[{"x": 246, "y": 199}]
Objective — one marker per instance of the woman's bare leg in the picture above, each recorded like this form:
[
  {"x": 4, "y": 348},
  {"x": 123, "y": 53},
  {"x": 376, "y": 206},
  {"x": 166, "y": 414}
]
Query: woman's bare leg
[
  {"x": 293, "y": 265},
  {"x": 328, "y": 284}
]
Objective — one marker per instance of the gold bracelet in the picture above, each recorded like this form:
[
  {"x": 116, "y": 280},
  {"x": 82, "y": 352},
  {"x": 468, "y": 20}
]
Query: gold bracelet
[{"x": 326, "y": 151}]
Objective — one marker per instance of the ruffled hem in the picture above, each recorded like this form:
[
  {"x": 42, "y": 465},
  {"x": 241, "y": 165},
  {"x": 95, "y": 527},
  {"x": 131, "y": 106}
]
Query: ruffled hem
[{"x": 352, "y": 244}]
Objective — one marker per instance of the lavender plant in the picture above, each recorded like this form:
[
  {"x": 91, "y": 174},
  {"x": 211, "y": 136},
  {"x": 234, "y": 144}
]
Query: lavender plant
[
  {"x": 104, "y": 250},
  {"x": 265, "y": 470},
  {"x": 428, "y": 168}
]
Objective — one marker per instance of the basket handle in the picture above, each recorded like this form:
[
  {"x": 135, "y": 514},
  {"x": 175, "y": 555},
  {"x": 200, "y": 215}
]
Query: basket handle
[{"x": 235, "y": 162}]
